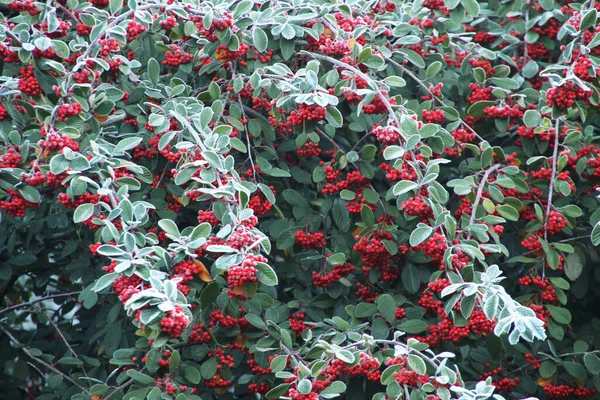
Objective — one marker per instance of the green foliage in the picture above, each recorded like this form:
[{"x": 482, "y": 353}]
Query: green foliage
[{"x": 299, "y": 200}]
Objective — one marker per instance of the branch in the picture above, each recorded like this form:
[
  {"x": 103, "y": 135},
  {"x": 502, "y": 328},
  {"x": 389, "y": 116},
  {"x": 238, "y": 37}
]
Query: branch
[
  {"x": 118, "y": 389},
  {"x": 486, "y": 175},
  {"x": 64, "y": 339},
  {"x": 7, "y": 309},
  {"x": 551, "y": 184},
  {"x": 388, "y": 106},
  {"x": 433, "y": 96},
  {"x": 44, "y": 363},
  {"x": 112, "y": 119}
]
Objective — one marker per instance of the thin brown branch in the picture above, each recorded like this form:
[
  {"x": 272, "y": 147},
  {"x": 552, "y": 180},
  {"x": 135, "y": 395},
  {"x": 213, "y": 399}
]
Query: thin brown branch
[
  {"x": 54, "y": 296},
  {"x": 433, "y": 96},
  {"x": 483, "y": 182},
  {"x": 551, "y": 183},
  {"x": 44, "y": 363}
]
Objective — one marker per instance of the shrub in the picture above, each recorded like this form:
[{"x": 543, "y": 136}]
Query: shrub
[{"x": 302, "y": 200}]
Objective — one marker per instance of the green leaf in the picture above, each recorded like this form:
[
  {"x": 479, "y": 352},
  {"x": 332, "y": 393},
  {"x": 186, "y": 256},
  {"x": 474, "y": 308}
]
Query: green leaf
[
  {"x": 169, "y": 227},
  {"x": 242, "y": 8},
  {"x": 295, "y": 198},
  {"x": 140, "y": 377},
  {"x": 420, "y": 234},
  {"x": 341, "y": 215},
  {"x": 414, "y": 57},
  {"x": 547, "y": 369},
  {"x": 304, "y": 386},
  {"x": 532, "y": 118},
  {"x": 574, "y": 266},
  {"x": 105, "y": 281},
  {"x": 334, "y": 117},
  {"x": 83, "y": 212},
  {"x": 174, "y": 361},
  {"x": 433, "y": 69},
  {"x": 471, "y": 6},
  {"x": 279, "y": 363},
  {"x": 114, "y": 6},
  {"x": 451, "y": 4},
  {"x": 367, "y": 216},
  {"x": 592, "y": 363},
  {"x": 266, "y": 275},
  {"x": 336, "y": 387},
  {"x": 412, "y": 326},
  {"x": 153, "y": 70},
  {"x": 395, "y": 81},
  {"x": 256, "y": 321},
  {"x": 508, "y": 212},
  {"x": 576, "y": 370},
  {"x": 410, "y": 278},
  {"x": 345, "y": 355},
  {"x": 208, "y": 369},
  {"x": 277, "y": 391},
  {"x": 404, "y": 187},
  {"x": 596, "y": 235},
  {"x": 393, "y": 152},
  {"x": 336, "y": 259},
  {"x": 417, "y": 364},
  {"x": 192, "y": 374},
  {"x": 387, "y": 307},
  {"x": 560, "y": 315},
  {"x": 260, "y": 39}
]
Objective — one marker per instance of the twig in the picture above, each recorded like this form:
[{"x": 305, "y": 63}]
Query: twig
[
  {"x": 112, "y": 119},
  {"x": 247, "y": 140},
  {"x": 118, "y": 389},
  {"x": 433, "y": 96},
  {"x": 66, "y": 343},
  {"x": 386, "y": 103},
  {"x": 551, "y": 184},
  {"x": 525, "y": 49},
  {"x": 67, "y": 12},
  {"x": 486, "y": 175},
  {"x": 7, "y": 309},
  {"x": 44, "y": 363}
]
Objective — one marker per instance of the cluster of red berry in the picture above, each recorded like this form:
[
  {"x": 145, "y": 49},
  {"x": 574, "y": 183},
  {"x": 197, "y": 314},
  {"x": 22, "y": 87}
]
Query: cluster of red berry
[
  {"x": 564, "y": 391},
  {"x": 417, "y": 207},
  {"x": 339, "y": 271},
  {"x": 309, "y": 149},
  {"x": 175, "y": 57},
  {"x": 310, "y": 240},
  {"x": 67, "y": 111},
  {"x": 297, "y": 324},
  {"x": 259, "y": 203},
  {"x": 17, "y": 205},
  {"x": 175, "y": 322},
  {"x": 28, "y": 84},
  {"x": 55, "y": 141},
  {"x": 134, "y": 29},
  {"x": 385, "y": 134},
  {"x": 548, "y": 292},
  {"x": 244, "y": 273},
  {"x": 564, "y": 96}
]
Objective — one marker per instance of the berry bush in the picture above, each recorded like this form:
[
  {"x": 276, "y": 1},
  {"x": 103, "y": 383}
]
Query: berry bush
[{"x": 301, "y": 199}]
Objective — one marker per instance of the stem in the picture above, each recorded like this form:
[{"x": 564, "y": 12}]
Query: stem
[
  {"x": 7, "y": 309},
  {"x": 388, "y": 106},
  {"x": 44, "y": 363},
  {"x": 433, "y": 96},
  {"x": 118, "y": 389},
  {"x": 66, "y": 343},
  {"x": 486, "y": 175},
  {"x": 551, "y": 185}
]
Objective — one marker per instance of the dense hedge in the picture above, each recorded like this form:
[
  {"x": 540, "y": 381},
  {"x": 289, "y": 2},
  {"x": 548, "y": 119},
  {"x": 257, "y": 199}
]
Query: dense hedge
[{"x": 299, "y": 199}]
